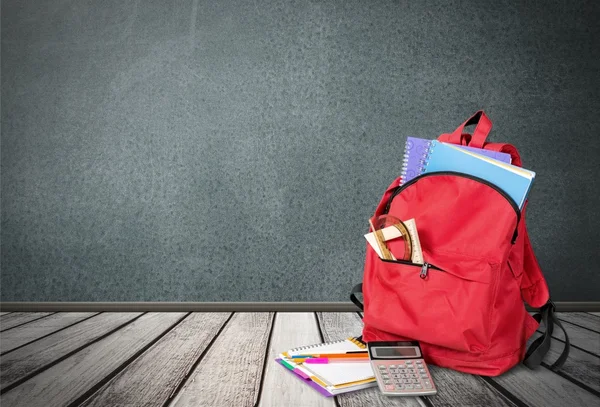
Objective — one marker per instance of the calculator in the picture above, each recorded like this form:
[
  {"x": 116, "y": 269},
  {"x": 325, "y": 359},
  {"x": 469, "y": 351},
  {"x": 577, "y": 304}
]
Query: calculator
[{"x": 400, "y": 369}]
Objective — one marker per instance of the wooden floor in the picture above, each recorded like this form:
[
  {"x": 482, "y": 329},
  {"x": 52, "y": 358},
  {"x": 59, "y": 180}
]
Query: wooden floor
[{"x": 225, "y": 359}]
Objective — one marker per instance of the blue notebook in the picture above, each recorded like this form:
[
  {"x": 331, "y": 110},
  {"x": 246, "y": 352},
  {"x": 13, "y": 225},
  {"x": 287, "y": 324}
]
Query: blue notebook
[
  {"x": 513, "y": 180},
  {"x": 416, "y": 149}
]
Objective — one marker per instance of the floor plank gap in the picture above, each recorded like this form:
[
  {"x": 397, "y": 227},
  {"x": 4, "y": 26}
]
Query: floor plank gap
[
  {"x": 578, "y": 325},
  {"x": 15, "y": 315},
  {"x": 581, "y": 319},
  {"x": 196, "y": 363},
  {"x": 572, "y": 380},
  {"x": 509, "y": 396},
  {"x": 52, "y": 363},
  {"x": 46, "y": 335},
  {"x": 554, "y": 338},
  {"x": 116, "y": 371},
  {"x": 236, "y": 383},
  {"x": 265, "y": 361}
]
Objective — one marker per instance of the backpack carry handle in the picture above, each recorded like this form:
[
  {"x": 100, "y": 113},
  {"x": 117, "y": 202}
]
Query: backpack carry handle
[
  {"x": 483, "y": 128},
  {"x": 506, "y": 148}
]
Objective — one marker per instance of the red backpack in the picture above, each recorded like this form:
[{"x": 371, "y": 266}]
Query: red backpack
[{"x": 466, "y": 303}]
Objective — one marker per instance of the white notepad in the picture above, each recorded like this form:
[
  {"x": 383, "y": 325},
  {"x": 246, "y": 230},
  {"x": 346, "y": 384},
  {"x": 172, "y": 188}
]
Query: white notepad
[
  {"x": 336, "y": 374},
  {"x": 334, "y": 378}
]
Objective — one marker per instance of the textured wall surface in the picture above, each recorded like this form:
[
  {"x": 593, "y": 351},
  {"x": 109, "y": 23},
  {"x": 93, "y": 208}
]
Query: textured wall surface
[{"x": 233, "y": 151}]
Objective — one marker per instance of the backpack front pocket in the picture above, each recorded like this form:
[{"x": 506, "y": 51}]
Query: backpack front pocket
[{"x": 450, "y": 307}]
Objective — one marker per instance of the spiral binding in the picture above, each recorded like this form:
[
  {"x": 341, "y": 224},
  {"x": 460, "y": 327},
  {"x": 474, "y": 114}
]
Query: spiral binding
[
  {"x": 357, "y": 342},
  {"x": 423, "y": 160}
]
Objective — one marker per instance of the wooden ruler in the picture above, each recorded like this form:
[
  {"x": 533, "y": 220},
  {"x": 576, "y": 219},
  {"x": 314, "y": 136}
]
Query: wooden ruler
[
  {"x": 417, "y": 252},
  {"x": 378, "y": 238}
]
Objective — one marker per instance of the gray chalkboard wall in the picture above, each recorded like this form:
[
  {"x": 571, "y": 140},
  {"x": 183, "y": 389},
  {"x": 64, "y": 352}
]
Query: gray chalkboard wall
[{"x": 233, "y": 151}]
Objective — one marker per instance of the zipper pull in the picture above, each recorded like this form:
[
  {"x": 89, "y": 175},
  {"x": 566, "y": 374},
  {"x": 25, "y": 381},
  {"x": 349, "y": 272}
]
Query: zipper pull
[{"x": 424, "y": 270}]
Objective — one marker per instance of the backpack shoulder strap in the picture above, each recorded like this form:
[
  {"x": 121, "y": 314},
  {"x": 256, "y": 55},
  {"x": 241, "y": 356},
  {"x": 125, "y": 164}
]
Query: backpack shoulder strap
[
  {"x": 533, "y": 284},
  {"x": 540, "y": 347},
  {"x": 534, "y": 288}
]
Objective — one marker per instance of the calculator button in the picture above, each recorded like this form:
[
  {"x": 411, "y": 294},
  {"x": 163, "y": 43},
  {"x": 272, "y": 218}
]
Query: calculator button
[
  {"x": 392, "y": 366},
  {"x": 389, "y": 387},
  {"x": 418, "y": 386},
  {"x": 424, "y": 376},
  {"x": 381, "y": 367},
  {"x": 409, "y": 386},
  {"x": 399, "y": 387},
  {"x": 415, "y": 381},
  {"x": 421, "y": 370},
  {"x": 427, "y": 384}
]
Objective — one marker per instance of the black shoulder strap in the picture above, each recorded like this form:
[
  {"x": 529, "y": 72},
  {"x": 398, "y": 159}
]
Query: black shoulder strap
[
  {"x": 540, "y": 347},
  {"x": 357, "y": 289}
]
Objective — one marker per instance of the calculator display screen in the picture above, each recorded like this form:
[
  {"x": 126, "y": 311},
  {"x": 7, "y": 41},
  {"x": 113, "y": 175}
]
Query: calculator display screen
[{"x": 396, "y": 352}]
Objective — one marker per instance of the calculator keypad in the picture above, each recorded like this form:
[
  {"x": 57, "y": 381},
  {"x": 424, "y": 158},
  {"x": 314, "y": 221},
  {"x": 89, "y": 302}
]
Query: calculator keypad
[{"x": 404, "y": 376}]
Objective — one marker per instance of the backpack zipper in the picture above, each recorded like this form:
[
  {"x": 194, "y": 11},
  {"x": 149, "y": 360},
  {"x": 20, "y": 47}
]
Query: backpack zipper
[
  {"x": 424, "y": 267},
  {"x": 424, "y": 270},
  {"x": 511, "y": 201}
]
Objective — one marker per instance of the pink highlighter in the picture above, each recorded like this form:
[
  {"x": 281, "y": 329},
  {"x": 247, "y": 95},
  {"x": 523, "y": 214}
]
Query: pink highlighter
[{"x": 334, "y": 360}]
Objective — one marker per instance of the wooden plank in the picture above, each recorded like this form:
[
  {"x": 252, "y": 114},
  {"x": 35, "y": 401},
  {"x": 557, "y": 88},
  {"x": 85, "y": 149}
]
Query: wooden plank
[
  {"x": 280, "y": 386},
  {"x": 24, "y": 334},
  {"x": 19, "y": 318},
  {"x": 4, "y": 313},
  {"x": 595, "y": 313},
  {"x": 70, "y": 380},
  {"x": 581, "y": 337},
  {"x": 215, "y": 383},
  {"x": 580, "y": 365},
  {"x": 454, "y": 388},
  {"x": 582, "y": 319},
  {"x": 543, "y": 388},
  {"x": 36, "y": 356},
  {"x": 170, "y": 361}
]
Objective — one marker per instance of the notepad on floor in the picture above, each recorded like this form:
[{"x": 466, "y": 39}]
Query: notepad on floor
[
  {"x": 332, "y": 378},
  {"x": 337, "y": 374}
]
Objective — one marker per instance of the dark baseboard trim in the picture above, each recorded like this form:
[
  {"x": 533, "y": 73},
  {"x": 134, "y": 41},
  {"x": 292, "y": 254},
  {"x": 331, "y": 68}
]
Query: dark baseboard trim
[{"x": 583, "y": 306}]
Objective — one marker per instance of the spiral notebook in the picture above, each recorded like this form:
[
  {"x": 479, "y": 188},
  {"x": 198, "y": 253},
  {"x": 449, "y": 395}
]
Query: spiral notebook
[
  {"x": 417, "y": 149},
  {"x": 333, "y": 378},
  {"x": 514, "y": 181}
]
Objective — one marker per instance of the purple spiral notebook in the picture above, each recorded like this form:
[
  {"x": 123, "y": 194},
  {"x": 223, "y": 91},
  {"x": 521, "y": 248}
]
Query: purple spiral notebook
[{"x": 417, "y": 149}]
